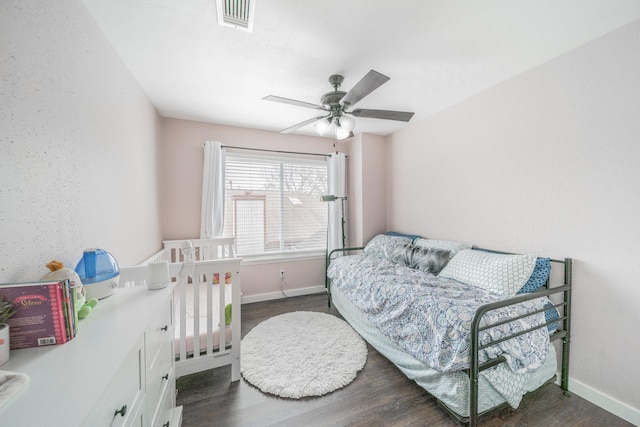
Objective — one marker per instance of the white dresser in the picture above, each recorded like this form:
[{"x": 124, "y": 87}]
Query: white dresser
[{"x": 118, "y": 371}]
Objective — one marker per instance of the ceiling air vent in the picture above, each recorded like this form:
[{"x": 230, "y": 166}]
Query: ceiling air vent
[{"x": 236, "y": 13}]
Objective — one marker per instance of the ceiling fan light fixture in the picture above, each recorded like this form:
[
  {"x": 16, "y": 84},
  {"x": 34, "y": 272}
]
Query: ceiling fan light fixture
[
  {"x": 322, "y": 125},
  {"x": 347, "y": 123},
  {"x": 342, "y": 133}
]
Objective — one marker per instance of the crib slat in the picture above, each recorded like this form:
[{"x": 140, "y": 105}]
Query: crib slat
[
  {"x": 196, "y": 313},
  {"x": 182, "y": 283},
  {"x": 210, "y": 289},
  {"x": 222, "y": 301}
]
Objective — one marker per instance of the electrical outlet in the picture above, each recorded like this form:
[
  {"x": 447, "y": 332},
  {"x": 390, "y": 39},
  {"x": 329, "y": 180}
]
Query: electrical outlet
[{"x": 281, "y": 274}]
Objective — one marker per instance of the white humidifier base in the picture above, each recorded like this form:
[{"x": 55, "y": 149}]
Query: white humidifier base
[{"x": 100, "y": 290}]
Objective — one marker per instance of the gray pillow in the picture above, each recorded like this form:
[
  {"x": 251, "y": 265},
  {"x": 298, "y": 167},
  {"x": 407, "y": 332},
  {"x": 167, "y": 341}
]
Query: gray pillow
[
  {"x": 401, "y": 254},
  {"x": 447, "y": 245},
  {"x": 431, "y": 260}
]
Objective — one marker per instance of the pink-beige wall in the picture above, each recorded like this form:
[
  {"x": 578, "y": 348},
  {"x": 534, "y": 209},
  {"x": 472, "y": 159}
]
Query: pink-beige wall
[
  {"x": 78, "y": 144},
  {"x": 546, "y": 163},
  {"x": 181, "y": 184},
  {"x": 374, "y": 186},
  {"x": 367, "y": 188},
  {"x": 355, "y": 203}
]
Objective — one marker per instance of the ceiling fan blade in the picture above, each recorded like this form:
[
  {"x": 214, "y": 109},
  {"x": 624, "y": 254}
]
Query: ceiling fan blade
[
  {"x": 303, "y": 124},
  {"x": 292, "y": 102},
  {"x": 401, "y": 116},
  {"x": 370, "y": 82}
]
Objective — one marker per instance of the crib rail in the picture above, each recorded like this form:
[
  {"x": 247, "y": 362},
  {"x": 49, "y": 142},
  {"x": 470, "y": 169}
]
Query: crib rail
[{"x": 203, "y": 249}]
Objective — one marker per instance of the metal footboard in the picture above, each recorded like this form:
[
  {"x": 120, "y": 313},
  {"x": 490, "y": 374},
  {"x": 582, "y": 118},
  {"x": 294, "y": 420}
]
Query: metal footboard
[{"x": 564, "y": 334}]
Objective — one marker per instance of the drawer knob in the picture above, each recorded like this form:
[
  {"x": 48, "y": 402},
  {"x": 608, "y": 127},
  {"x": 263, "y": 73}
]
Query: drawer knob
[
  {"x": 165, "y": 377},
  {"x": 165, "y": 328},
  {"x": 122, "y": 411}
]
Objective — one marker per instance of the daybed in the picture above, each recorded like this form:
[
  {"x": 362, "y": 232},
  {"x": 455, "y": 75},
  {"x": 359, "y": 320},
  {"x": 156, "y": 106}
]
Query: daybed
[
  {"x": 472, "y": 327},
  {"x": 207, "y": 295}
]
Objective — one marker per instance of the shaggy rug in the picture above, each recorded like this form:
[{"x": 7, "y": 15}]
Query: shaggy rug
[{"x": 302, "y": 354}]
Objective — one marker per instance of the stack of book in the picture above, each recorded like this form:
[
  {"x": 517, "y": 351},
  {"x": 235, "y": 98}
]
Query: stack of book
[{"x": 45, "y": 313}]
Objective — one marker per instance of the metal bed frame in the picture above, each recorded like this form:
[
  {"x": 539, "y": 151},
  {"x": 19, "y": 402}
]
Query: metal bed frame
[{"x": 475, "y": 367}]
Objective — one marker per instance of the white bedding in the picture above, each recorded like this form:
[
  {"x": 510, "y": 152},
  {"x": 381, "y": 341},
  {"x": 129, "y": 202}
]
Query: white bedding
[
  {"x": 496, "y": 386},
  {"x": 190, "y": 316}
]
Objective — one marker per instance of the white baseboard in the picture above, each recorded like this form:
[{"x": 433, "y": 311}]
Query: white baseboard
[
  {"x": 288, "y": 293},
  {"x": 606, "y": 402}
]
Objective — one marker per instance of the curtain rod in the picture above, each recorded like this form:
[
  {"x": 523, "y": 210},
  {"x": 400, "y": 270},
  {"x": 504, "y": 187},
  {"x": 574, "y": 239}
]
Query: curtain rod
[{"x": 276, "y": 151}]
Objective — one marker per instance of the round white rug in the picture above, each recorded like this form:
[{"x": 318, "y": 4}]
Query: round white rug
[{"x": 302, "y": 354}]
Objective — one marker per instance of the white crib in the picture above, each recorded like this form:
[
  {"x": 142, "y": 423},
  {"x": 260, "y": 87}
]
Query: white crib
[{"x": 200, "y": 302}]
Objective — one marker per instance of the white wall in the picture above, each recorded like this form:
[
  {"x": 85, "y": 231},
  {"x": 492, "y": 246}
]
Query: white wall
[
  {"x": 546, "y": 163},
  {"x": 77, "y": 143}
]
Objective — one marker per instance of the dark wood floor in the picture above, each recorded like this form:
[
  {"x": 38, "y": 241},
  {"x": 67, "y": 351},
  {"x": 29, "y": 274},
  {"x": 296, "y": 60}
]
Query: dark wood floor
[{"x": 379, "y": 396}]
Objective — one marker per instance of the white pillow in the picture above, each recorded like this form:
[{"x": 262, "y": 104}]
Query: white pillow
[
  {"x": 382, "y": 245},
  {"x": 498, "y": 273},
  {"x": 447, "y": 245}
]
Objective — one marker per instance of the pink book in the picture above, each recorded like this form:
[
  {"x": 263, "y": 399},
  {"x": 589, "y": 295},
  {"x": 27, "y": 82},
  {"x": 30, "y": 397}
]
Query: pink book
[
  {"x": 59, "y": 313},
  {"x": 39, "y": 318}
]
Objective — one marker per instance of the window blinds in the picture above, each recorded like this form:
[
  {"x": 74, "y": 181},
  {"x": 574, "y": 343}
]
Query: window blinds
[{"x": 273, "y": 204}]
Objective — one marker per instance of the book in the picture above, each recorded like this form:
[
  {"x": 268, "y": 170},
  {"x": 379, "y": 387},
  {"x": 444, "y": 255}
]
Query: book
[
  {"x": 69, "y": 310},
  {"x": 40, "y": 315},
  {"x": 58, "y": 313}
]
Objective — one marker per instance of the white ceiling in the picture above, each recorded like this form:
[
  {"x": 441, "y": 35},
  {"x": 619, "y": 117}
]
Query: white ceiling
[{"x": 437, "y": 52}]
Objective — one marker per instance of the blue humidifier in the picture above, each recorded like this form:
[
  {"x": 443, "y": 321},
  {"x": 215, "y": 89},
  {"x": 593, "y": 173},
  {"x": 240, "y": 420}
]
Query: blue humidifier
[{"x": 99, "y": 273}]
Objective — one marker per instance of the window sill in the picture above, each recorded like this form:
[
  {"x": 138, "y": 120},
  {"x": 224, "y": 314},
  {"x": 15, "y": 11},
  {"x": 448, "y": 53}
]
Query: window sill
[{"x": 283, "y": 257}]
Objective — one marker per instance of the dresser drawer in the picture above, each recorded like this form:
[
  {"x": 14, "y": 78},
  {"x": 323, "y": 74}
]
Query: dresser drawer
[
  {"x": 167, "y": 415},
  {"x": 160, "y": 378},
  {"x": 160, "y": 330},
  {"x": 121, "y": 402},
  {"x": 137, "y": 418}
]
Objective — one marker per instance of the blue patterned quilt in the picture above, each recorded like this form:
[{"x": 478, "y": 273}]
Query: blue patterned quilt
[{"x": 430, "y": 317}]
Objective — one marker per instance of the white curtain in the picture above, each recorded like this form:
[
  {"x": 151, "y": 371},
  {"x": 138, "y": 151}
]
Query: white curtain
[
  {"x": 337, "y": 183},
  {"x": 212, "y": 214}
]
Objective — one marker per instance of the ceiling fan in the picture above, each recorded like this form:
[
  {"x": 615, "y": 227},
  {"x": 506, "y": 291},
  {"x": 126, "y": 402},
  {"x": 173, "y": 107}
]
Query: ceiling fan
[{"x": 336, "y": 105}]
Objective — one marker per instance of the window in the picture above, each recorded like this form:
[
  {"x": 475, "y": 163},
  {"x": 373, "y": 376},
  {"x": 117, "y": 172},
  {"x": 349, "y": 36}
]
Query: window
[{"x": 274, "y": 204}]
